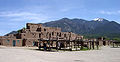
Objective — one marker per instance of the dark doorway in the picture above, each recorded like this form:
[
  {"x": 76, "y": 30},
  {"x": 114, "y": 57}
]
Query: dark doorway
[
  {"x": 14, "y": 43},
  {"x": 24, "y": 42},
  {"x": 104, "y": 43},
  {"x": 35, "y": 43}
]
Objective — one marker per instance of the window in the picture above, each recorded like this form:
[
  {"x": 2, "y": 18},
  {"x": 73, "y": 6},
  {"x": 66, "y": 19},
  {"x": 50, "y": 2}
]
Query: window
[
  {"x": 57, "y": 34},
  {"x": 8, "y": 41},
  {"x": 39, "y": 35},
  {"x": 52, "y": 33},
  {"x": 60, "y": 35},
  {"x": 28, "y": 27},
  {"x": 18, "y": 41},
  {"x": 39, "y": 29},
  {"x": 64, "y": 35},
  {"x": 44, "y": 29}
]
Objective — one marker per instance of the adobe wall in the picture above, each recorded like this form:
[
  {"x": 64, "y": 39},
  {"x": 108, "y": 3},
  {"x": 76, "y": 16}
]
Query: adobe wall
[
  {"x": 40, "y": 28},
  {"x": 9, "y": 42},
  {"x": 31, "y": 42},
  {"x": 33, "y": 32}
]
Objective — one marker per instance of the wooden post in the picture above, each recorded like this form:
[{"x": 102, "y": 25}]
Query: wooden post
[
  {"x": 81, "y": 44},
  {"x": 87, "y": 44},
  {"x": 57, "y": 45},
  {"x": 49, "y": 45},
  {"x": 39, "y": 45},
  {"x": 52, "y": 43},
  {"x": 97, "y": 45},
  {"x": 71, "y": 45},
  {"x": 90, "y": 44},
  {"x": 76, "y": 45},
  {"x": 113, "y": 44},
  {"x": 117, "y": 44},
  {"x": 66, "y": 45},
  {"x": 93, "y": 44}
]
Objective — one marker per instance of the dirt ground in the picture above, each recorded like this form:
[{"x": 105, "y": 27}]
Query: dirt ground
[{"x": 29, "y": 54}]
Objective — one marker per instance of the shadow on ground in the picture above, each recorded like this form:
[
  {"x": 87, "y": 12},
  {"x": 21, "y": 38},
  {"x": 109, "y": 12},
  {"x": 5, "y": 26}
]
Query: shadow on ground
[
  {"x": 44, "y": 50},
  {"x": 114, "y": 47}
]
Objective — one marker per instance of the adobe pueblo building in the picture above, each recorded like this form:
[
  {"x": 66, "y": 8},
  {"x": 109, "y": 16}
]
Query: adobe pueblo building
[
  {"x": 48, "y": 38},
  {"x": 34, "y": 33}
]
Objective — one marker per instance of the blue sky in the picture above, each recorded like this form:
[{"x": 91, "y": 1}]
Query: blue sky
[{"x": 14, "y": 14}]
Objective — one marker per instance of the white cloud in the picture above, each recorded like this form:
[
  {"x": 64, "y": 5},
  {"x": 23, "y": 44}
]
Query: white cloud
[
  {"x": 110, "y": 12},
  {"x": 64, "y": 9},
  {"x": 119, "y": 11},
  {"x": 24, "y": 16},
  {"x": 14, "y": 14},
  {"x": 10, "y": 21}
]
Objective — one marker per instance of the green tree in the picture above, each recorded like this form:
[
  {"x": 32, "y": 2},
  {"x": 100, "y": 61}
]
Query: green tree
[{"x": 117, "y": 39}]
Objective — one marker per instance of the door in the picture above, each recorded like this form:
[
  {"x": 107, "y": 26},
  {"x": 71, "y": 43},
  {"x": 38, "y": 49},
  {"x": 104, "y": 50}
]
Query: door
[
  {"x": 24, "y": 42},
  {"x": 14, "y": 43},
  {"x": 35, "y": 43}
]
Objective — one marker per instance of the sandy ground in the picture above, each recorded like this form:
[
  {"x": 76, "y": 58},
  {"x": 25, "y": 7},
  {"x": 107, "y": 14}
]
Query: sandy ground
[{"x": 22, "y": 54}]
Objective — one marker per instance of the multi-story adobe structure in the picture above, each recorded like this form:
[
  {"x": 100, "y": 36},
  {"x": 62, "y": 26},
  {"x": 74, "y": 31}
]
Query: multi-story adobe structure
[{"x": 33, "y": 33}]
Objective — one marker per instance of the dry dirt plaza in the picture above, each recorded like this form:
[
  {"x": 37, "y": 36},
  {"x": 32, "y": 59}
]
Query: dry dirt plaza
[{"x": 29, "y": 54}]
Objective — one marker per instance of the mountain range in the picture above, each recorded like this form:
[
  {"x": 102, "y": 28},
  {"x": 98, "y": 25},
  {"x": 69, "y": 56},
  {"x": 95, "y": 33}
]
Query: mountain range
[
  {"x": 90, "y": 29},
  {"x": 94, "y": 28}
]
